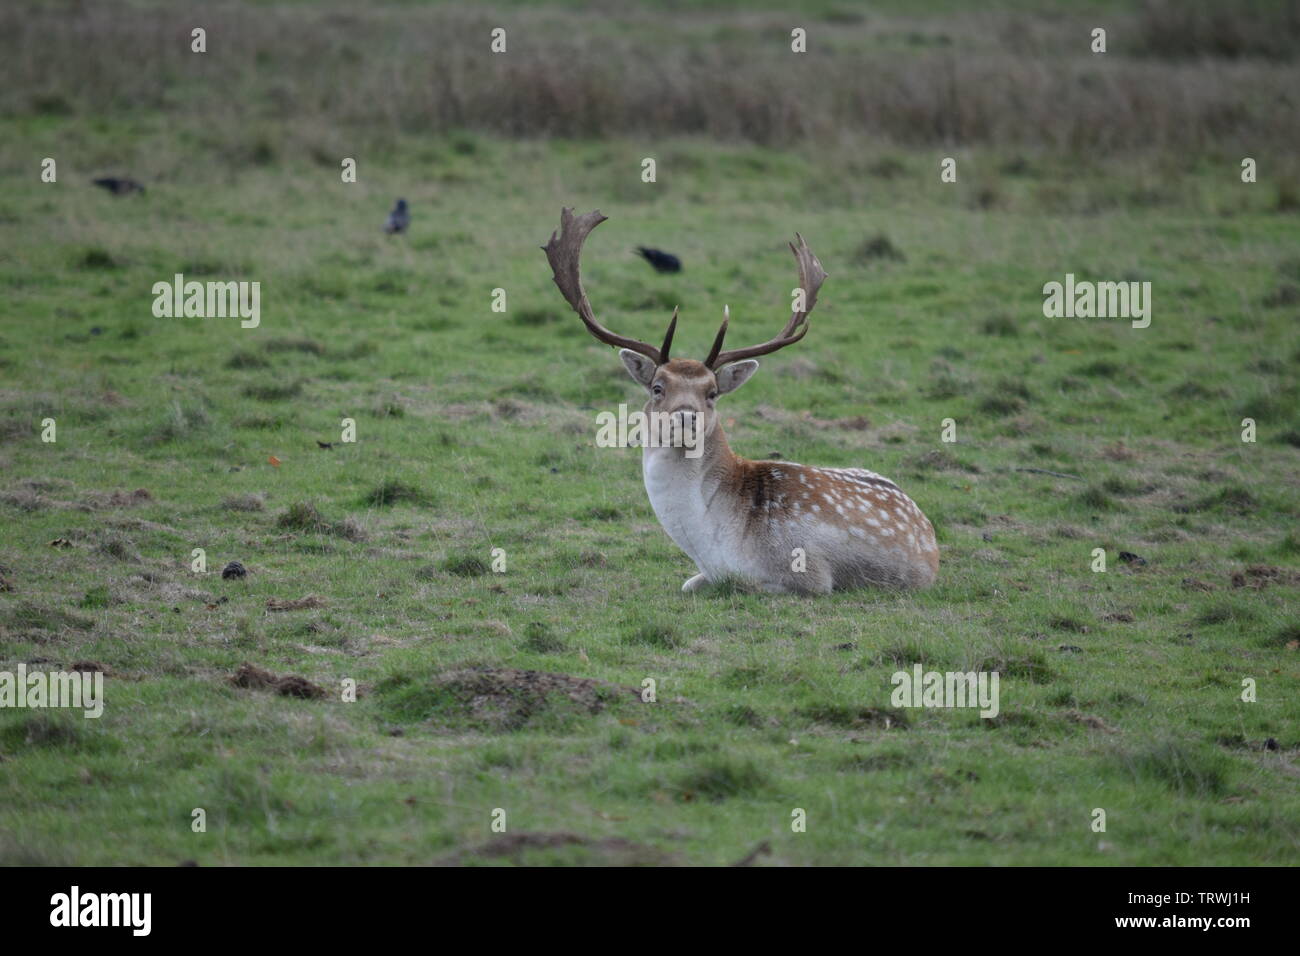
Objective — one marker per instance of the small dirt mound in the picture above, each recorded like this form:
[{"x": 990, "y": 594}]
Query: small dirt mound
[
  {"x": 25, "y": 500},
  {"x": 856, "y": 717},
  {"x": 1259, "y": 576},
  {"x": 89, "y": 667},
  {"x": 99, "y": 500},
  {"x": 606, "y": 851},
  {"x": 244, "y": 503},
  {"x": 251, "y": 677},
  {"x": 393, "y": 492},
  {"x": 35, "y": 619},
  {"x": 503, "y": 698},
  {"x": 940, "y": 460},
  {"x": 304, "y": 516},
  {"x": 118, "y": 547},
  {"x": 879, "y": 247},
  {"x": 523, "y": 692},
  {"x": 1091, "y": 721},
  {"x": 299, "y": 604}
]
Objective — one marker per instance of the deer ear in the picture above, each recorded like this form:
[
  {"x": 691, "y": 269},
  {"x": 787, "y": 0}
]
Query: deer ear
[
  {"x": 638, "y": 366},
  {"x": 731, "y": 377}
]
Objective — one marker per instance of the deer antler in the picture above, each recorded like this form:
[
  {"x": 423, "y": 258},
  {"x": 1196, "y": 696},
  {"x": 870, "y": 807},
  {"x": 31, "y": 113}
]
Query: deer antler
[
  {"x": 563, "y": 254},
  {"x": 811, "y": 276}
]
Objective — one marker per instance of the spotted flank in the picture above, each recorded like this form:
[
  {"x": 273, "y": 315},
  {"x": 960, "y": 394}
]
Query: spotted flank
[{"x": 788, "y": 497}]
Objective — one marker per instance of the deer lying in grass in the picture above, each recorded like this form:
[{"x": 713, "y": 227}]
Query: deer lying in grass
[{"x": 781, "y": 526}]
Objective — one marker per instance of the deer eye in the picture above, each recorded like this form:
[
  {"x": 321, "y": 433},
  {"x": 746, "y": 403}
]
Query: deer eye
[
  {"x": 658, "y": 389},
  {"x": 713, "y": 395}
]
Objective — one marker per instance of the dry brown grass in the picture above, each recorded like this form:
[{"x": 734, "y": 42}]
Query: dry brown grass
[
  {"x": 1206, "y": 28},
  {"x": 1177, "y": 75}
]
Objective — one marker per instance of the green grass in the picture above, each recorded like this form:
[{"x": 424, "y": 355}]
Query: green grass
[{"x": 476, "y": 431}]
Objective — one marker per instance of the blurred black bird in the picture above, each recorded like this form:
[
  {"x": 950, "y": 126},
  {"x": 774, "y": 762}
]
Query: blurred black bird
[
  {"x": 662, "y": 261},
  {"x": 119, "y": 186},
  {"x": 398, "y": 219}
]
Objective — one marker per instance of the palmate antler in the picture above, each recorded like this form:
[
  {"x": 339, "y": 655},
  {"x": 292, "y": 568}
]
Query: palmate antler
[
  {"x": 563, "y": 253},
  {"x": 565, "y": 250},
  {"x": 811, "y": 276}
]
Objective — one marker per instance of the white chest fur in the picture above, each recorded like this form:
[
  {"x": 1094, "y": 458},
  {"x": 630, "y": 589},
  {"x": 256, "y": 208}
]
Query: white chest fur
[{"x": 695, "y": 517}]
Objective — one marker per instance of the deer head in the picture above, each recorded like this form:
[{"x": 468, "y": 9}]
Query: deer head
[{"x": 684, "y": 389}]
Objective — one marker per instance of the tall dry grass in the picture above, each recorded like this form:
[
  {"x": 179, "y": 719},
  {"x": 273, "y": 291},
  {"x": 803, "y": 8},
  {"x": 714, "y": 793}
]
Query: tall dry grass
[
  {"x": 1193, "y": 29},
  {"x": 1008, "y": 78}
]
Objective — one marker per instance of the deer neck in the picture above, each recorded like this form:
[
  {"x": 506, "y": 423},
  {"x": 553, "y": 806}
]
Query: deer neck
[
  {"x": 715, "y": 463},
  {"x": 694, "y": 499}
]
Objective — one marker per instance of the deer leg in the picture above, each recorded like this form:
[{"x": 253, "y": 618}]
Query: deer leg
[
  {"x": 815, "y": 584},
  {"x": 816, "y": 579},
  {"x": 695, "y": 583}
]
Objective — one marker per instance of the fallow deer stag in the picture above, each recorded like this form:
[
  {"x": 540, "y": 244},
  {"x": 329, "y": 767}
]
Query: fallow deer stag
[{"x": 781, "y": 526}]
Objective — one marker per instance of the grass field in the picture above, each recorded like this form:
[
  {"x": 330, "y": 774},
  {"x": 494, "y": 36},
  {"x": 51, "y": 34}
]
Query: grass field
[{"x": 476, "y": 431}]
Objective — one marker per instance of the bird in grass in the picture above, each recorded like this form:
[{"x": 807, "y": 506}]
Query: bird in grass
[
  {"x": 662, "y": 261},
  {"x": 398, "y": 219},
  {"x": 119, "y": 185}
]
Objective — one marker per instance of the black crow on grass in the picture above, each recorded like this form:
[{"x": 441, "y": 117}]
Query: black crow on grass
[
  {"x": 662, "y": 261},
  {"x": 119, "y": 186},
  {"x": 398, "y": 219}
]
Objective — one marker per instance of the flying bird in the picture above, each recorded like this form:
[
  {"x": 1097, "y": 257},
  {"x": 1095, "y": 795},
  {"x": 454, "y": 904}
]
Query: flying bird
[
  {"x": 662, "y": 261},
  {"x": 119, "y": 186},
  {"x": 398, "y": 219}
]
